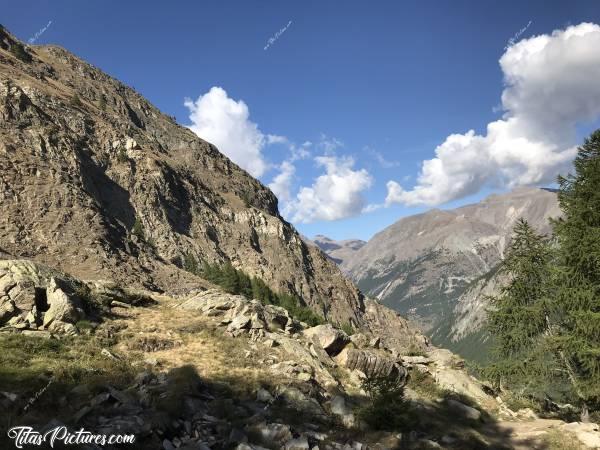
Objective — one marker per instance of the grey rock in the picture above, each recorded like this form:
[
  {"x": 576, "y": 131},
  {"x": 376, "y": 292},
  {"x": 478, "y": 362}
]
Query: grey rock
[
  {"x": 429, "y": 444},
  {"x": 372, "y": 364},
  {"x": 297, "y": 400},
  {"x": 167, "y": 445},
  {"x": 239, "y": 323},
  {"x": 339, "y": 407},
  {"x": 62, "y": 307},
  {"x": 587, "y": 433},
  {"x": 331, "y": 339},
  {"x": 262, "y": 395},
  {"x": 237, "y": 436},
  {"x": 273, "y": 433},
  {"x": 299, "y": 443},
  {"x": 108, "y": 354},
  {"x": 375, "y": 342},
  {"x": 7, "y": 309},
  {"x": 270, "y": 343},
  {"x": 360, "y": 340},
  {"x": 23, "y": 295},
  {"x": 416, "y": 359},
  {"x": 81, "y": 413},
  {"x": 10, "y": 396},
  {"x": 465, "y": 410}
]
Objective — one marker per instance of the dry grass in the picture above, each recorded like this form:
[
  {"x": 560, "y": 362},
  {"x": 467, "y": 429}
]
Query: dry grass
[
  {"x": 557, "y": 440},
  {"x": 43, "y": 372},
  {"x": 198, "y": 342}
]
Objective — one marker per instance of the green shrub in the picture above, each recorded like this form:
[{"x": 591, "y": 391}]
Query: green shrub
[
  {"x": 515, "y": 402},
  {"x": 387, "y": 409},
  {"x": 237, "y": 282},
  {"x": 138, "y": 229},
  {"x": 75, "y": 101},
  {"x": 19, "y": 52},
  {"x": 84, "y": 325},
  {"x": 347, "y": 328},
  {"x": 102, "y": 103},
  {"x": 247, "y": 199},
  {"x": 122, "y": 156},
  {"x": 424, "y": 384}
]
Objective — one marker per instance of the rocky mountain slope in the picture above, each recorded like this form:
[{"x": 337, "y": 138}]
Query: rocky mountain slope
[
  {"x": 96, "y": 181},
  {"x": 106, "y": 207},
  {"x": 338, "y": 251},
  {"x": 209, "y": 370},
  {"x": 437, "y": 267}
]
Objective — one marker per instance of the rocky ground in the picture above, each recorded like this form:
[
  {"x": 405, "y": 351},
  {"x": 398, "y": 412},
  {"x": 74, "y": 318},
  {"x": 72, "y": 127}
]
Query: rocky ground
[{"x": 211, "y": 370}]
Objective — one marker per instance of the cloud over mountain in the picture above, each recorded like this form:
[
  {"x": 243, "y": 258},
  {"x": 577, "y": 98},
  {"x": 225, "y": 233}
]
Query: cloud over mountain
[
  {"x": 551, "y": 86},
  {"x": 224, "y": 122},
  {"x": 335, "y": 194}
]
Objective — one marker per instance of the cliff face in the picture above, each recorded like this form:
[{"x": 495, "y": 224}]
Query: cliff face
[{"x": 96, "y": 181}]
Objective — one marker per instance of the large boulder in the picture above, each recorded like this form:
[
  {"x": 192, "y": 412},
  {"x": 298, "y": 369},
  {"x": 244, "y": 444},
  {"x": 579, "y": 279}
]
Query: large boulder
[
  {"x": 462, "y": 383},
  {"x": 331, "y": 339},
  {"x": 34, "y": 296},
  {"x": 372, "y": 364},
  {"x": 7, "y": 308},
  {"x": 239, "y": 312},
  {"x": 21, "y": 292},
  {"x": 338, "y": 406},
  {"x": 62, "y": 307},
  {"x": 466, "y": 411}
]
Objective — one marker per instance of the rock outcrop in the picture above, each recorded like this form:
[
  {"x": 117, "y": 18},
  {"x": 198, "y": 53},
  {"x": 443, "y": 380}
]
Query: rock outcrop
[
  {"x": 33, "y": 296},
  {"x": 372, "y": 364},
  {"x": 38, "y": 298},
  {"x": 208, "y": 369},
  {"x": 329, "y": 338}
]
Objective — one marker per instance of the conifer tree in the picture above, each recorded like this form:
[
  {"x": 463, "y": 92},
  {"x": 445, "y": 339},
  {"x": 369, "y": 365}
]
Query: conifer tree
[
  {"x": 578, "y": 275},
  {"x": 547, "y": 319},
  {"x": 519, "y": 318}
]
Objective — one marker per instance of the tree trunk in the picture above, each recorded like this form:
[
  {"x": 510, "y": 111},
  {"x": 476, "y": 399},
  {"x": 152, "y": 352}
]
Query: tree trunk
[{"x": 585, "y": 413}]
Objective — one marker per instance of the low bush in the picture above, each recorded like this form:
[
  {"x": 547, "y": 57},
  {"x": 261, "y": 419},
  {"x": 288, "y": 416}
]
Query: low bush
[{"x": 387, "y": 409}]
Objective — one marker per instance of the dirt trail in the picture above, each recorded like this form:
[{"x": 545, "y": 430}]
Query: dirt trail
[{"x": 528, "y": 435}]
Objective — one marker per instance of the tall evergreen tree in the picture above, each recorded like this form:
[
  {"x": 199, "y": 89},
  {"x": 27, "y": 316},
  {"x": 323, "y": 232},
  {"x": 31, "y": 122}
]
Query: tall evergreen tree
[
  {"x": 519, "y": 317},
  {"x": 578, "y": 272},
  {"x": 547, "y": 319}
]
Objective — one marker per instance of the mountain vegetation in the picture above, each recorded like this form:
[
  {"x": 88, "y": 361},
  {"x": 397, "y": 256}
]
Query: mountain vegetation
[
  {"x": 235, "y": 281},
  {"x": 438, "y": 267},
  {"x": 546, "y": 320}
]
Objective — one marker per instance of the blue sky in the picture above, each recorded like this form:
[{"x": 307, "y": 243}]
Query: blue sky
[{"x": 374, "y": 87}]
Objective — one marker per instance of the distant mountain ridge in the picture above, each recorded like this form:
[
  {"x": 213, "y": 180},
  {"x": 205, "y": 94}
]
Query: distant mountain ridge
[
  {"x": 338, "y": 251},
  {"x": 437, "y": 267}
]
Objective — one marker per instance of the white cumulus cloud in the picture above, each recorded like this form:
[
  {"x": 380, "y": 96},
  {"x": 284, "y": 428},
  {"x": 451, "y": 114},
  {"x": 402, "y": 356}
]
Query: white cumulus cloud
[
  {"x": 551, "y": 85},
  {"x": 225, "y": 122},
  {"x": 282, "y": 183},
  {"x": 336, "y": 194}
]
